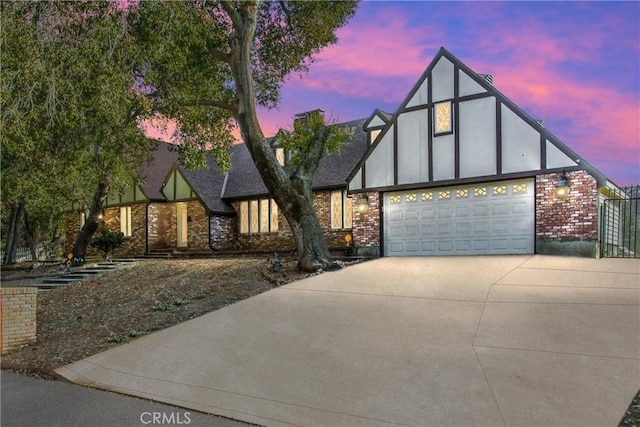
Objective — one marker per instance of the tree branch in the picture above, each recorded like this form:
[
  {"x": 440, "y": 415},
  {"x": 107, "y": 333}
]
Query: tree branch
[
  {"x": 286, "y": 11},
  {"x": 236, "y": 19},
  {"x": 221, "y": 56}
]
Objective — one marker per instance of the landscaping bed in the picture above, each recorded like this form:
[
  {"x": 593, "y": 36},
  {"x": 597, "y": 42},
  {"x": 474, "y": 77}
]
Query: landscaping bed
[{"x": 94, "y": 315}]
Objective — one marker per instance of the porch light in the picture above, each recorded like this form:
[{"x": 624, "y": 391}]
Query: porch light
[
  {"x": 363, "y": 204},
  {"x": 562, "y": 187}
]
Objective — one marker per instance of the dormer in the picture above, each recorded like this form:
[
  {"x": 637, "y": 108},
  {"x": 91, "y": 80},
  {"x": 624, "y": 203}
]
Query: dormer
[{"x": 375, "y": 123}]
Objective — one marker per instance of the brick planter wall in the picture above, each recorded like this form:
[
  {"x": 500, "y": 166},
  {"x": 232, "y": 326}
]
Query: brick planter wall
[
  {"x": 366, "y": 227},
  {"x": 567, "y": 226},
  {"x": 17, "y": 317}
]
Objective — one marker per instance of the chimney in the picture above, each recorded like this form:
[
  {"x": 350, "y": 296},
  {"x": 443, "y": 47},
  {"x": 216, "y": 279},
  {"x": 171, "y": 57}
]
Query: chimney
[
  {"x": 487, "y": 78},
  {"x": 304, "y": 116}
]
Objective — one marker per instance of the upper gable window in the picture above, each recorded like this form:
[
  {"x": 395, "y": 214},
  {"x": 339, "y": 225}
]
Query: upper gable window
[
  {"x": 373, "y": 135},
  {"x": 280, "y": 156},
  {"x": 443, "y": 120}
]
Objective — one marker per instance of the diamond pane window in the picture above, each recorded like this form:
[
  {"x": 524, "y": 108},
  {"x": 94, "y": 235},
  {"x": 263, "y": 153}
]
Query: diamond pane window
[
  {"x": 519, "y": 188},
  {"x": 264, "y": 215},
  {"x": 462, "y": 193},
  {"x": 427, "y": 196},
  {"x": 444, "y": 195},
  {"x": 411, "y": 198},
  {"x": 253, "y": 216},
  {"x": 500, "y": 189},
  {"x": 443, "y": 118},
  {"x": 244, "y": 217},
  {"x": 274, "y": 215},
  {"x": 395, "y": 199},
  {"x": 480, "y": 191}
]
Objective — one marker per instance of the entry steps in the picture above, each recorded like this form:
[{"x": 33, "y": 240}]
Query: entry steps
[{"x": 87, "y": 272}]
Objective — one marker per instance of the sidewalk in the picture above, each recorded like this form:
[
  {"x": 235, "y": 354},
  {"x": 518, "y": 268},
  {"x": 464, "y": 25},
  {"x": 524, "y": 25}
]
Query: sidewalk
[{"x": 28, "y": 401}]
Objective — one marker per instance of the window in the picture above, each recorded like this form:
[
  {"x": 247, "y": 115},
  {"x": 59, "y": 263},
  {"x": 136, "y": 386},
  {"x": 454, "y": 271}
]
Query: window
[
  {"x": 280, "y": 156},
  {"x": 258, "y": 216},
  {"x": 341, "y": 210},
  {"x": 442, "y": 119},
  {"x": 125, "y": 220},
  {"x": 374, "y": 134}
]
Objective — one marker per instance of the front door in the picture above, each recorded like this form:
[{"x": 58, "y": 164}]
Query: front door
[{"x": 181, "y": 216}]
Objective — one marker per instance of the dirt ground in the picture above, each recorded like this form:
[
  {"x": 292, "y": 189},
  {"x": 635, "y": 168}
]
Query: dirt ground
[{"x": 94, "y": 315}]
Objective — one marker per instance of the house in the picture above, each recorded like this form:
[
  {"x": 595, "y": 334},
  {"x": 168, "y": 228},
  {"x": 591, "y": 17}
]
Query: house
[
  {"x": 206, "y": 211},
  {"x": 457, "y": 169},
  {"x": 460, "y": 169}
]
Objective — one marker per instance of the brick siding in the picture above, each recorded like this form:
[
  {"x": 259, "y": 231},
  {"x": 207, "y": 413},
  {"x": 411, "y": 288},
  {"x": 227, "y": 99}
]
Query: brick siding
[
  {"x": 574, "y": 218},
  {"x": 161, "y": 233},
  {"x": 282, "y": 240},
  {"x": 17, "y": 317},
  {"x": 366, "y": 227},
  {"x": 223, "y": 231}
]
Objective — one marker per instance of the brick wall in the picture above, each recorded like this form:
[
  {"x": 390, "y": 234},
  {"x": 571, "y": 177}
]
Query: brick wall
[
  {"x": 72, "y": 226},
  {"x": 198, "y": 227},
  {"x": 17, "y": 317},
  {"x": 134, "y": 244},
  {"x": 223, "y": 231},
  {"x": 568, "y": 226},
  {"x": 366, "y": 227},
  {"x": 282, "y": 240},
  {"x": 161, "y": 216}
]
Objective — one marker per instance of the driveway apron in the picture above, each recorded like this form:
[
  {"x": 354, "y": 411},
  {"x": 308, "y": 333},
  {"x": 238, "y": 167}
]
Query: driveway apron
[{"x": 485, "y": 340}]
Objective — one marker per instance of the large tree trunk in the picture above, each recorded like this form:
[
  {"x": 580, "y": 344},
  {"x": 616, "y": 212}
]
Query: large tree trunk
[
  {"x": 92, "y": 222},
  {"x": 32, "y": 236},
  {"x": 293, "y": 195},
  {"x": 13, "y": 235}
]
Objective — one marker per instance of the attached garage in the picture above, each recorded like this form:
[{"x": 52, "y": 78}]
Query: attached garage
[
  {"x": 491, "y": 218},
  {"x": 460, "y": 169}
]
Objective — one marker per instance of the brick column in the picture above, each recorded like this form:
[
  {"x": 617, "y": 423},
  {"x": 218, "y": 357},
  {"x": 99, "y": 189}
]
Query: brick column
[
  {"x": 366, "y": 227},
  {"x": 18, "y": 317}
]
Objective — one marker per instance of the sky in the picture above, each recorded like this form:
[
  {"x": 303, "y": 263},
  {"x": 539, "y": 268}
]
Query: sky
[{"x": 575, "y": 65}]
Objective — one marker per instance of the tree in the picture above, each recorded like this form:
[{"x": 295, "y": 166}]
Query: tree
[
  {"x": 210, "y": 63},
  {"x": 71, "y": 105}
]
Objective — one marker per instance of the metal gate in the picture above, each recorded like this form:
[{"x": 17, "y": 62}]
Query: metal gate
[{"x": 619, "y": 225}]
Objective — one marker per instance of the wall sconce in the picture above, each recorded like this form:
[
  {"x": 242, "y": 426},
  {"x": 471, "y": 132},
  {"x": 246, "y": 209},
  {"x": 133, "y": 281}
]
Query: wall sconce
[
  {"x": 562, "y": 187},
  {"x": 100, "y": 216},
  {"x": 363, "y": 204}
]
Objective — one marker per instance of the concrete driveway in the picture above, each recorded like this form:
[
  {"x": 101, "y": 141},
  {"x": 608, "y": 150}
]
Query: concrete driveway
[{"x": 490, "y": 340}]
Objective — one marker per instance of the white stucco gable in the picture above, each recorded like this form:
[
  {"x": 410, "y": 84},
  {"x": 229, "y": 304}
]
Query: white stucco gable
[{"x": 455, "y": 126}]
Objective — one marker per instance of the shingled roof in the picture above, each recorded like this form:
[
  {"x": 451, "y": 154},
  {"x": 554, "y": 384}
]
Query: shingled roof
[
  {"x": 208, "y": 183},
  {"x": 245, "y": 181},
  {"x": 155, "y": 171}
]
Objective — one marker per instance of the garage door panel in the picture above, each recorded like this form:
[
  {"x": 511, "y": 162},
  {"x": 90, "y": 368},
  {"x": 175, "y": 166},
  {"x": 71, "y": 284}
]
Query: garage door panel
[{"x": 496, "y": 218}]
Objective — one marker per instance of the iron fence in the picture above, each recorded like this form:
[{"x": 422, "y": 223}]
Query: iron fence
[{"x": 620, "y": 225}]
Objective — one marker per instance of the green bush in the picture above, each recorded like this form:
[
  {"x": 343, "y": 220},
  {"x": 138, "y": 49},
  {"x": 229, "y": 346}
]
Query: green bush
[{"x": 107, "y": 240}]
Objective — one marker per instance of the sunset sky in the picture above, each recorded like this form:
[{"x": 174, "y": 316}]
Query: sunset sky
[{"x": 576, "y": 65}]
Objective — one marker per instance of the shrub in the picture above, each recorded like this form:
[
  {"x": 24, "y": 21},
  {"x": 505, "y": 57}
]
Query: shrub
[{"x": 107, "y": 240}]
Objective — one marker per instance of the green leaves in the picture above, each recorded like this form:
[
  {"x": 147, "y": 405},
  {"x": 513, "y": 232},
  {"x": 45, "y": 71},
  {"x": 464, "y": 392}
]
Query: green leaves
[{"x": 312, "y": 136}]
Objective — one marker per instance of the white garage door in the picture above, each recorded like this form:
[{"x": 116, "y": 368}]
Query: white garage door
[{"x": 492, "y": 218}]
